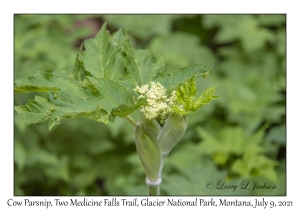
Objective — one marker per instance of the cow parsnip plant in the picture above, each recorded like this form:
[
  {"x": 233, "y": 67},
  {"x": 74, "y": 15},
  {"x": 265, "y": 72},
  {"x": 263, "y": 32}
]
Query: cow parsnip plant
[{"x": 112, "y": 79}]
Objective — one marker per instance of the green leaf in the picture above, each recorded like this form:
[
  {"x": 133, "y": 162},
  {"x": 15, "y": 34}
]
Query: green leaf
[
  {"x": 34, "y": 111},
  {"x": 90, "y": 88},
  {"x": 36, "y": 155},
  {"x": 102, "y": 55},
  {"x": 202, "y": 173},
  {"x": 77, "y": 71},
  {"x": 170, "y": 81},
  {"x": 125, "y": 109},
  {"x": 228, "y": 140},
  {"x": 43, "y": 81},
  {"x": 109, "y": 94},
  {"x": 255, "y": 165},
  {"x": 143, "y": 26},
  {"x": 186, "y": 93},
  {"x": 181, "y": 49},
  {"x": 95, "y": 99},
  {"x": 142, "y": 66},
  {"x": 206, "y": 97},
  {"x": 20, "y": 155},
  {"x": 97, "y": 86},
  {"x": 277, "y": 134},
  {"x": 243, "y": 27}
]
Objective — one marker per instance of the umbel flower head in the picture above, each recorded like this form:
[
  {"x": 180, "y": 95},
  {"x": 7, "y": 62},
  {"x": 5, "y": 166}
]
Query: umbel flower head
[
  {"x": 158, "y": 129},
  {"x": 163, "y": 122},
  {"x": 159, "y": 103}
]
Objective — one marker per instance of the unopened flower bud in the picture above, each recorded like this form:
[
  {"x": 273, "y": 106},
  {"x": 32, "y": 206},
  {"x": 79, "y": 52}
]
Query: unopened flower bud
[
  {"x": 148, "y": 149},
  {"x": 171, "y": 132}
]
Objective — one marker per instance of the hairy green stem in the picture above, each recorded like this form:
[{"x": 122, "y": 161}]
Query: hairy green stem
[{"x": 154, "y": 190}]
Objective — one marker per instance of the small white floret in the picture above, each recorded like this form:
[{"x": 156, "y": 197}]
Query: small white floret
[{"x": 158, "y": 101}]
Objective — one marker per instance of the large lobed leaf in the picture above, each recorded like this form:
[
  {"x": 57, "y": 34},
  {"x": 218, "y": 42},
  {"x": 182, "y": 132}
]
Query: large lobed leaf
[
  {"x": 141, "y": 65},
  {"x": 95, "y": 100},
  {"x": 43, "y": 81},
  {"x": 170, "y": 81},
  {"x": 102, "y": 55},
  {"x": 100, "y": 83},
  {"x": 91, "y": 87}
]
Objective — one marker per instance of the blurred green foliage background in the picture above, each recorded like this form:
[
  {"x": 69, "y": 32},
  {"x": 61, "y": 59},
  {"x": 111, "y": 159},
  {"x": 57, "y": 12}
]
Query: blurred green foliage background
[{"x": 239, "y": 137}]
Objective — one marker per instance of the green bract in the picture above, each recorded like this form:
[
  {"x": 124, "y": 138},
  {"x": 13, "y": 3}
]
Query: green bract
[{"x": 154, "y": 141}]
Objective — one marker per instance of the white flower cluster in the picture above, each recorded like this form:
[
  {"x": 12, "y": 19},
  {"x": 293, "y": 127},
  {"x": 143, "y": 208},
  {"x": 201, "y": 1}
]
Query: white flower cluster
[{"x": 157, "y": 98}]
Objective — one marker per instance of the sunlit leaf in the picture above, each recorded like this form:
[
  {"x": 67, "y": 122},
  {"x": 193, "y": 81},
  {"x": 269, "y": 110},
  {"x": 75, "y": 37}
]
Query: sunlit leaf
[
  {"x": 142, "y": 66},
  {"x": 101, "y": 57},
  {"x": 95, "y": 100},
  {"x": 186, "y": 93},
  {"x": 169, "y": 81}
]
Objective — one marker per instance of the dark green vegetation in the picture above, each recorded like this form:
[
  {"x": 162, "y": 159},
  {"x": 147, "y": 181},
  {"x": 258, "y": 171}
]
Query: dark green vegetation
[{"x": 239, "y": 137}]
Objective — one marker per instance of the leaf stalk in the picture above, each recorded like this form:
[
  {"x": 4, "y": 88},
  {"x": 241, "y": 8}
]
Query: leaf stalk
[{"x": 131, "y": 120}]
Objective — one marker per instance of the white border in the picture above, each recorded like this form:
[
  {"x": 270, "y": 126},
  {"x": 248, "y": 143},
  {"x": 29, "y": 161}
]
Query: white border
[{"x": 154, "y": 6}]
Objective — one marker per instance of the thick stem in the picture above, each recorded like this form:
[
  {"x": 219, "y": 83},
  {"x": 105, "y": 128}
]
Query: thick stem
[
  {"x": 154, "y": 187},
  {"x": 154, "y": 190}
]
